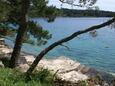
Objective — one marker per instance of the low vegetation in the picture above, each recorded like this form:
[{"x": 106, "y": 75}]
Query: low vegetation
[{"x": 12, "y": 77}]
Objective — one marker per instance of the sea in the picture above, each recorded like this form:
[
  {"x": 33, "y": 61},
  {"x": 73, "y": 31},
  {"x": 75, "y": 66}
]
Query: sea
[{"x": 94, "y": 51}]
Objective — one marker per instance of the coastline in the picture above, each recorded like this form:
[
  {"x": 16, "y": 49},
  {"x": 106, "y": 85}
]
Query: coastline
[{"x": 65, "y": 68}]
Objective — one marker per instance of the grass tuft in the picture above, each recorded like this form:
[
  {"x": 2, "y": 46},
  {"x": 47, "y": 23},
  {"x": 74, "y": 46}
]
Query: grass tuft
[{"x": 12, "y": 77}]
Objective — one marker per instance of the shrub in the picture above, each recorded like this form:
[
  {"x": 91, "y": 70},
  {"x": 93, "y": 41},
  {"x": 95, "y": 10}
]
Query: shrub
[{"x": 11, "y": 77}]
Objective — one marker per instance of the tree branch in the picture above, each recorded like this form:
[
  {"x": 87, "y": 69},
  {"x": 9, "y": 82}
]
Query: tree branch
[
  {"x": 65, "y": 46},
  {"x": 46, "y": 50},
  {"x": 78, "y": 5}
]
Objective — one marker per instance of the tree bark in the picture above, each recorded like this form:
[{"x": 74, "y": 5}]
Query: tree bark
[
  {"x": 21, "y": 32},
  {"x": 46, "y": 50}
]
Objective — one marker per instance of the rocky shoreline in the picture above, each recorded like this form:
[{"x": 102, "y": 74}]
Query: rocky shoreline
[{"x": 63, "y": 67}]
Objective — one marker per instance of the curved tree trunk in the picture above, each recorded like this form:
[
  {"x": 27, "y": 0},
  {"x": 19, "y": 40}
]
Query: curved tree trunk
[
  {"x": 20, "y": 35},
  {"x": 46, "y": 50}
]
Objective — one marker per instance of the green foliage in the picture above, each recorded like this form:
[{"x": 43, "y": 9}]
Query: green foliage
[
  {"x": 14, "y": 14},
  {"x": 9, "y": 77},
  {"x": 36, "y": 34},
  {"x": 4, "y": 10},
  {"x": 38, "y": 7},
  {"x": 50, "y": 13},
  {"x": 43, "y": 76}
]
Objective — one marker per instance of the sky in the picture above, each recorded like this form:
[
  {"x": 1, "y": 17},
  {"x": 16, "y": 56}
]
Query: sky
[{"x": 107, "y": 5}]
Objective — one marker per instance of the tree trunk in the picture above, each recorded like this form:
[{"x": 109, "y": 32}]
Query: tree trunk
[
  {"x": 20, "y": 35},
  {"x": 46, "y": 50}
]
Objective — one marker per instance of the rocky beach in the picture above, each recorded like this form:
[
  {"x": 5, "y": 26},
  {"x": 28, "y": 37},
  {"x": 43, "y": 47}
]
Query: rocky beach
[{"x": 63, "y": 67}]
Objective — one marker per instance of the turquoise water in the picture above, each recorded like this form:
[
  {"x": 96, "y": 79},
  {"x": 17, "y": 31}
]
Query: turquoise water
[{"x": 97, "y": 52}]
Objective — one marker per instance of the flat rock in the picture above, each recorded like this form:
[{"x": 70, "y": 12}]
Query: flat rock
[
  {"x": 73, "y": 76},
  {"x": 65, "y": 68},
  {"x": 62, "y": 64}
]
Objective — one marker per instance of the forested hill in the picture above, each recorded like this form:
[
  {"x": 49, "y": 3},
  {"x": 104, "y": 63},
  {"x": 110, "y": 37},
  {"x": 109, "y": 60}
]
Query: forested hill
[{"x": 86, "y": 13}]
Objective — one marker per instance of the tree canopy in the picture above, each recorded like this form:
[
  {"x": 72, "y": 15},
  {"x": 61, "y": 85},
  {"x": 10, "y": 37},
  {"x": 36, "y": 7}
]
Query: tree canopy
[
  {"x": 10, "y": 13},
  {"x": 15, "y": 16}
]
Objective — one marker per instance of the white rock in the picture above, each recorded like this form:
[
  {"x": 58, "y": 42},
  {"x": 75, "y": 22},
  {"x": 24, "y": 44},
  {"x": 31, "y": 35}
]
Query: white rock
[
  {"x": 5, "y": 50},
  {"x": 1, "y": 64},
  {"x": 1, "y": 39},
  {"x": 66, "y": 68},
  {"x": 23, "y": 67},
  {"x": 73, "y": 76},
  {"x": 29, "y": 58},
  {"x": 26, "y": 59},
  {"x": 61, "y": 64}
]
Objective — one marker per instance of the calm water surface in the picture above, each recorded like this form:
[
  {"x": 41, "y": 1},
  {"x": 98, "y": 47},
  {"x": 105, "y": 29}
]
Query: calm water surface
[{"x": 97, "y": 52}]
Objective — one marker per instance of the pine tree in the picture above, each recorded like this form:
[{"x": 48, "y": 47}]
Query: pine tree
[{"x": 18, "y": 13}]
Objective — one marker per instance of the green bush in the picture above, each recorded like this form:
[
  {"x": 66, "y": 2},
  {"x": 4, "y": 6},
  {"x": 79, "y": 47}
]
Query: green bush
[{"x": 9, "y": 77}]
